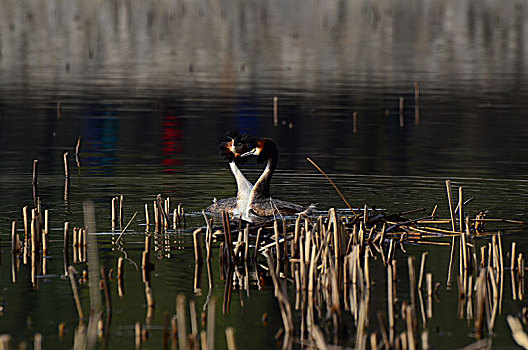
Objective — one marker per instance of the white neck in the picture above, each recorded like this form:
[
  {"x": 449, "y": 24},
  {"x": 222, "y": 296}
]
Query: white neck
[
  {"x": 261, "y": 189},
  {"x": 243, "y": 189}
]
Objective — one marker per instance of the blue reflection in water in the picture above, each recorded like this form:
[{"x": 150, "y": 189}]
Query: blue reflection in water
[
  {"x": 100, "y": 131},
  {"x": 247, "y": 116}
]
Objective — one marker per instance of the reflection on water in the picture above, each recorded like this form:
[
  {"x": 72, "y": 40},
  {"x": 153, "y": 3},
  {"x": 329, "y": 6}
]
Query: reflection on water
[
  {"x": 152, "y": 87},
  {"x": 218, "y": 65},
  {"x": 172, "y": 143}
]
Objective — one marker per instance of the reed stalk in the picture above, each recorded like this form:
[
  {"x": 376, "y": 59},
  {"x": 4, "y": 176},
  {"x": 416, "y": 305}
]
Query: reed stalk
[
  {"x": 139, "y": 336},
  {"x": 78, "y": 152},
  {"x": 284, "y": 303},
  {"x": 422, "y": 267},
  {"x": 147, "y": 219},
  {"x": 151, "y": 304},
  {"x": 120, "y": 276},
  {"x": 412, "y": 280},
  {"x": 25, "y": 220},
  {"x": 15, "y": 241},
  {"x": 37, "y": 341},
  {"x": 230, "y": 336},
  {"x": 402, "y": 119},
  {"x": 416, "y": 103},
  {"x": 198, "y": 250},
  {"x": 460, "y": 209},
  {"x": 211, "y": 317},
  {"x": 512, "y": 254},
  {"x": 126, "y": 227},
  {"x": 114, "y": 215},
  {"x": 390, "y": 297},
  {"x": 275, "y": 111},
  {"x": 71, "y": 274},
  {"x": 66, "y": 166},
  {"x": 35, "y": 181},
  {"x": 409, "y": 318},
  {"x": 333, "y": 184},
  {"x": 106, "y": 290},
  {"x": 182, "y": 327},
  {"x": 518, "y": 334}
]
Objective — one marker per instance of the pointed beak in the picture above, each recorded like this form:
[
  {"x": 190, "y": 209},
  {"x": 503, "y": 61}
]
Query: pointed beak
[{"x": 250, "y": 153}]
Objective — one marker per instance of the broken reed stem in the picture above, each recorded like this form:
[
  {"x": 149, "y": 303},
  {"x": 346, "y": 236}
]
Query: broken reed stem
[
  {"x": 412, "y": 280},
  {"x": 460, "y": 210},
  {"x": 34, "y": 233},
  {"x": 333, "y": 184},
  {"x": 128, "y": 224},
  {"x": 518, "y": 334},
  {"x": 182, "y": 328},
  {"x": 25, "y": 219},
  {"x": 246, "y": 243},
  {"x": 78, "y": 152},
  {"x": 453, "y": 224},
  {"x": 227, "y": 234},
  {"x": 150, "y": 302},
  {"x": 121, "y": 199},
  {"x": 390, "y": 297},
  {"x": 318, "y": 338},
  {"x": 138, "y": 332},
  {"x": 71, "y": 274},
  {"x": 114, "y": 215},
  {"x": 429, "y": 284},
  {"x": 451, "y": 205},
  {"x": 37, "y": 341},
  {"x": 416, "y": 103},
  {"x": 512, "y": 266},
  {"x": 106, "y": 290},
  {"x": 66, "y": 165},
  {"x": 147, "y": 220},
  {"x": 198, "y": 250},
  {"x": 194, "y": 322},
  {"x": 422, "y": 267},
  {"x": 409, "y": 318},
  {"x": 257, "y": 242},
  {"x": 211, "y": 320},
  {"x": 14, "y": 239},
  {"x": 120, "y": 276},
  {"x": 230, "y": 336},
  {"x": 35, "y": 182},
  {"x": 402, "y": 119},
  {"x": 181, "y": 215},
  {"x": 46, "y": 221},
  {"x": 66, "y": 236},
  {"x": 277, "y": 246},
  {"x": 208, "y": 237},
  {"x": 284, "y": 303},
  {"x": 275, "y": 111},
  {"x": 35, "y": 171},
  {"x": 145, "y": 261}
]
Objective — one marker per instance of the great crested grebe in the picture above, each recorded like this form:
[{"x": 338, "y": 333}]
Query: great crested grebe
[
  {"x": 231, "y": 151},
  {"x": 261, "y": 205}
]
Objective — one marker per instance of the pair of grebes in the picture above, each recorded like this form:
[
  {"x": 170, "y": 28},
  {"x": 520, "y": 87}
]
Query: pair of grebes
[{"x": 253, "y": 203}]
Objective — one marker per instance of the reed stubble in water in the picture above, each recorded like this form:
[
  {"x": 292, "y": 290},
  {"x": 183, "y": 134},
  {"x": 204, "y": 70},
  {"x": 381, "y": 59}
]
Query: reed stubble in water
[
  {"x": 402, "y": 117},
  {"x": 328, "y": 260}
]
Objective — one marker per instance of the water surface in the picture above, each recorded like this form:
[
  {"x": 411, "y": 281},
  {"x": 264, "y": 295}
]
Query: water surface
[{"x": 152, "y": 88}]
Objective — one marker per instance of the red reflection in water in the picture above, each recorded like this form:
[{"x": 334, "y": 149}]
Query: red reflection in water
[{"x": 172, "y": 144}]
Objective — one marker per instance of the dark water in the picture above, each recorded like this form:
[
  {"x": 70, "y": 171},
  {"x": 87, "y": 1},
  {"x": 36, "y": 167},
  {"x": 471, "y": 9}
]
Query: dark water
[{"x": 152, "y": 87}]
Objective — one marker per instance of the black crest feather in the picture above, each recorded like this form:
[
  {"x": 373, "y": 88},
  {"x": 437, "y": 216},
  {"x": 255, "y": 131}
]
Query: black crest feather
[{"x": 240, "y": 142}]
